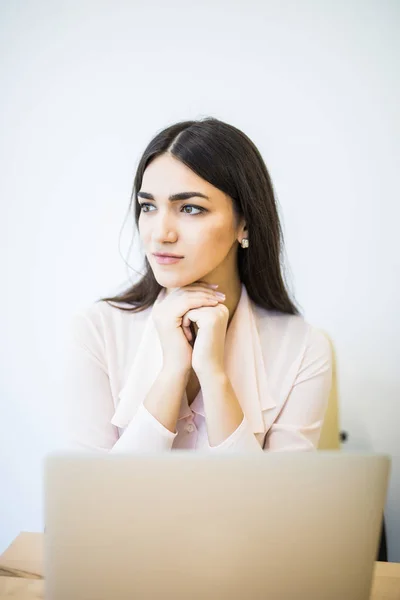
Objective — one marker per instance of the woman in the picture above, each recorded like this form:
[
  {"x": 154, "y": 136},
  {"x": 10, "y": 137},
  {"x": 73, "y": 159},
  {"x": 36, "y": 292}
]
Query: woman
[{"x": 172, "y": 363}]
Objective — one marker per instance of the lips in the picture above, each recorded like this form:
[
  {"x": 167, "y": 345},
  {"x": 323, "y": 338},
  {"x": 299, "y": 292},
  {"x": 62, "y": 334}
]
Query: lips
[
  {"x": 167, "y": 260},
  {"x": 167, "y": 255}
]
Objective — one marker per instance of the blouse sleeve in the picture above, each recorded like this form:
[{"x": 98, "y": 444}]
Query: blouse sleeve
[{"x": 88, "y": 402}]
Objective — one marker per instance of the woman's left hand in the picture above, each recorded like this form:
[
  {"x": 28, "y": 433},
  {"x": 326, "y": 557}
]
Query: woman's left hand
[{"x": 209, "y": 347}]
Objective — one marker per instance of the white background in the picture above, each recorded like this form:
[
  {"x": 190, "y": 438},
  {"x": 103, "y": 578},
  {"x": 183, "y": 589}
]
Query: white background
[{"x": 84, "y": 87}]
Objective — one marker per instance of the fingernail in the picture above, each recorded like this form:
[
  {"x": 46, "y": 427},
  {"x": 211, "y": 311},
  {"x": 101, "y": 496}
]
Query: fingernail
[
  {"x": 213, "y": 285},
  {"x": 220, "y": 295}
]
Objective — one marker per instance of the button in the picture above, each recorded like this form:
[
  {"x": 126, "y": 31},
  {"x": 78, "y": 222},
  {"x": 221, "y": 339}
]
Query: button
[{"x": 189, "y": 428}]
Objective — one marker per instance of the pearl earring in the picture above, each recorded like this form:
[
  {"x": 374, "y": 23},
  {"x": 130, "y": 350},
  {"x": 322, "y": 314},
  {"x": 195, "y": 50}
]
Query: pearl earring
[{"x": 245, "y": 243}]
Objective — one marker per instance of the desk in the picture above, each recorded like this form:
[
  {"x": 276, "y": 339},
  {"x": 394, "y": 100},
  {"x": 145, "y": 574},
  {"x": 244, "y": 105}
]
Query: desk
[{"x": 21, "y": 572}]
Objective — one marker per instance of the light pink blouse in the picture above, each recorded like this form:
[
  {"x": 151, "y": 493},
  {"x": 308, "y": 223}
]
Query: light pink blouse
[{"x": 280, "y": 368}]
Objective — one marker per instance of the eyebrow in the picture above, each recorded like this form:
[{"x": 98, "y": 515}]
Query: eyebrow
[{"x": 175, "y": 197}]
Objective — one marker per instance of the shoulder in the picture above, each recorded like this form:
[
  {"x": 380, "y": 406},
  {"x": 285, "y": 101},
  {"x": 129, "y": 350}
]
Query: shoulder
[
  {"x": 293, "y": 350},
  {"x": 101, "y": 323},
  {"x": 290, "y": 336}
]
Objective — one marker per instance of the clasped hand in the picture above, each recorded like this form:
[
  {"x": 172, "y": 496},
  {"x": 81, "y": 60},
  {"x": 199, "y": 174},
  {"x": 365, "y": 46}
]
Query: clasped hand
[{"x": 209, "y": 346}]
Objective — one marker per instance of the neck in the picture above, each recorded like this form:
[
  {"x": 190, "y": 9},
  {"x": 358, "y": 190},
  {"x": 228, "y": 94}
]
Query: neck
[{"x": 232, "y": 291}]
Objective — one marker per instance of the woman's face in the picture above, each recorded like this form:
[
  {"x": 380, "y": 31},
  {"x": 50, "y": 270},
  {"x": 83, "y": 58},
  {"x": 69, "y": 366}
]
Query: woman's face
[{"x": 200, "y": 230}]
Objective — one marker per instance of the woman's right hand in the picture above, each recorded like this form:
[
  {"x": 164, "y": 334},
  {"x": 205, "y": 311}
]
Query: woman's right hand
[{"x": 168, "y": 316}]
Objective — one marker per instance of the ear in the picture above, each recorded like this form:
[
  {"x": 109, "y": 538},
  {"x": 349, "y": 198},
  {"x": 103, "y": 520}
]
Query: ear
[{"x": 242, "y": 230}]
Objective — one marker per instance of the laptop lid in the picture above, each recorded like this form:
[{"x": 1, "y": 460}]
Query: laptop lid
[{"x": 232, "y": 526}]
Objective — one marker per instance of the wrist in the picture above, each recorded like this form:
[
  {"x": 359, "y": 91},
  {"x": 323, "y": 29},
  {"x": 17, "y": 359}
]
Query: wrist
[
  {"x": 211, "y": 375},
  {"x": 175, "y": 373}
]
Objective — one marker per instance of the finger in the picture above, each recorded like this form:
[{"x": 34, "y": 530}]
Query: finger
[
  {"x": 191, "y": 317},
  {"x": 202, "y": 282},
  {"x": 195, "y": 288},
  {"x": 211, "y": 285},
  {"x": 188, "y": 333},
  {"x": 186, "y": 322},
  {"x": 205, "y": 293},
  {"x": 197, "y": 299},
  {"x": 198, "y": 286}
]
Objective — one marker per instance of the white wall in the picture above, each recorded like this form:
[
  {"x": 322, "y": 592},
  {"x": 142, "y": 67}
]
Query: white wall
[{"x": 85, "y": 85}]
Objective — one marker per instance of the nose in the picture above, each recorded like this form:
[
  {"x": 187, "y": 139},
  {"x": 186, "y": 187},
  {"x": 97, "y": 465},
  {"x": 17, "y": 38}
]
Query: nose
[{"x": 163, "y": 228}]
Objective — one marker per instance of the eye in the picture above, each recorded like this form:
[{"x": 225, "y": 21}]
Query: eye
[
  {"x": 195, "y": 207},
  {"x": 144, "y": 205}
]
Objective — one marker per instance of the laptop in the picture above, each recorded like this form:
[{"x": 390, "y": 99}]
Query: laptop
[{"x": 186, "y": 525}]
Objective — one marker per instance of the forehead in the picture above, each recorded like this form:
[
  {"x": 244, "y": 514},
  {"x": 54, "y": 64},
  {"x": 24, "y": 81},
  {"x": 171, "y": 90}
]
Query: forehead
[{"x": 166, "y": 175}]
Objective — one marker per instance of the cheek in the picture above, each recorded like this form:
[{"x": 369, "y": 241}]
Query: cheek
[
  {"x": 144, "y": 231},
  {"x": 211, "y": 244},
  {"x": 220, "y": 234}
]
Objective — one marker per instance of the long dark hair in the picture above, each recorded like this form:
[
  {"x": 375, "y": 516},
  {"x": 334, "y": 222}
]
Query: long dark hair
[{"x": 225, "y": 157}]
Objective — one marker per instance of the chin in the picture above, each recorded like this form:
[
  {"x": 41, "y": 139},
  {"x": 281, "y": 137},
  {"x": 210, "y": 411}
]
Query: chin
[
  {"x": 170, "y": 281},
  {"x": 174, "y": 280}
]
